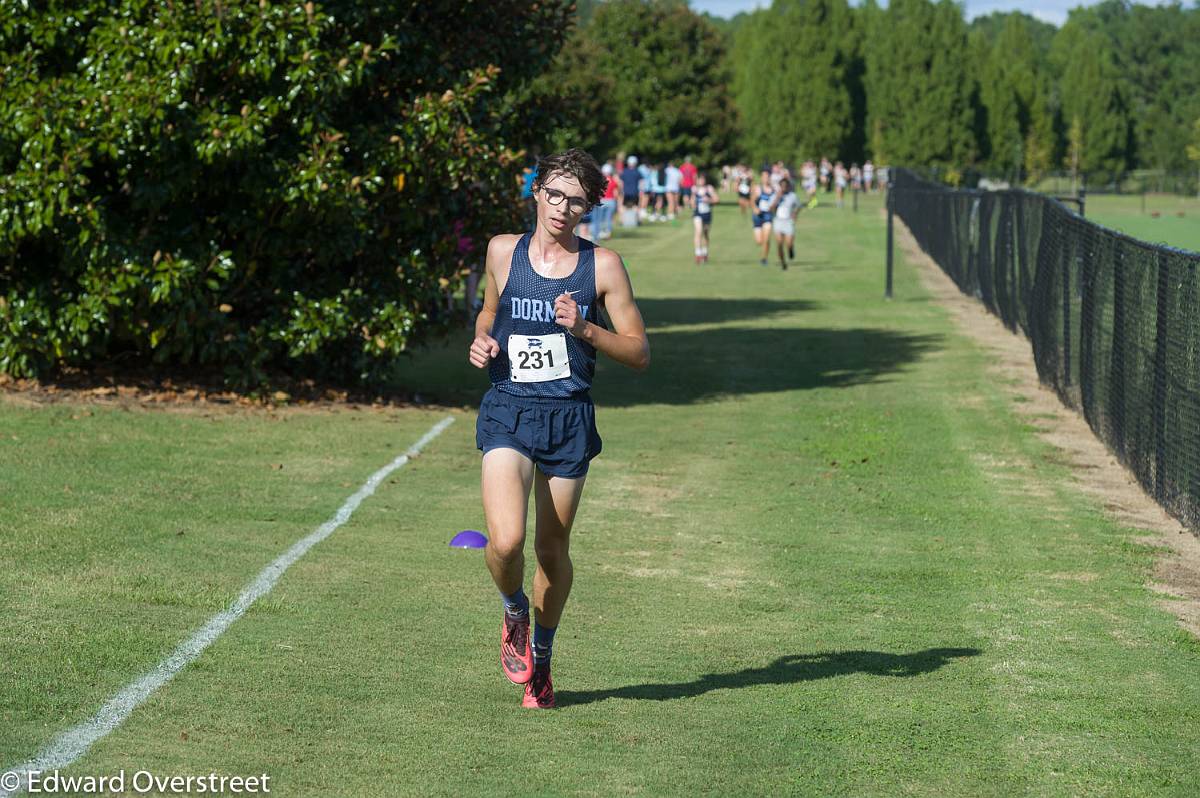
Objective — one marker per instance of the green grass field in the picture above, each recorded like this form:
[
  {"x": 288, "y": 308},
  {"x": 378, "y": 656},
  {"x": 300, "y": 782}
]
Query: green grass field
[
  {"x": 820, "y": 555},
  {"x": 1157, "y": 218}
]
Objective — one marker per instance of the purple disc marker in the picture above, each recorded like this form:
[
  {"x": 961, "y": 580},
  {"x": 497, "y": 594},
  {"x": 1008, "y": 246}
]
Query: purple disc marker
[{"x": 469, "y": 539}]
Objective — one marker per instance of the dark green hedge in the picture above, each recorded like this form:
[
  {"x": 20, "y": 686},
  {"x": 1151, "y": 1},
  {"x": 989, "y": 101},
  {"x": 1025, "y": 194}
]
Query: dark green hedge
[{"x": 250, "y": 186}]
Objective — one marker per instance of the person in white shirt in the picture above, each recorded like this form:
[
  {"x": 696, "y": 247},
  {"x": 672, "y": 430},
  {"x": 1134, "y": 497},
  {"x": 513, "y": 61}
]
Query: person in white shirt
[
  {"x": 674, "y": 180},
  {"x": 786, "y": 205}
]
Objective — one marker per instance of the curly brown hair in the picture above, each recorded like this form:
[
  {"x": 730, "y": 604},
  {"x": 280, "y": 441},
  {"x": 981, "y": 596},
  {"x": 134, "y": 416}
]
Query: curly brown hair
[{"x": 577, "y": 164}]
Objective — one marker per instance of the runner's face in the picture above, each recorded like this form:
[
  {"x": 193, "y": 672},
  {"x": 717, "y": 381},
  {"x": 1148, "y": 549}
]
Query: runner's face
[{"x": 563, "y": 217}]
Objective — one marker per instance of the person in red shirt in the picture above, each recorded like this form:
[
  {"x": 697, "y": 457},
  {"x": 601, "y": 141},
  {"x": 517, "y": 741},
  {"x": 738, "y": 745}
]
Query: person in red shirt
[
  {"x": 688, "y": 182},
  {"x": 608, "y": 202}
]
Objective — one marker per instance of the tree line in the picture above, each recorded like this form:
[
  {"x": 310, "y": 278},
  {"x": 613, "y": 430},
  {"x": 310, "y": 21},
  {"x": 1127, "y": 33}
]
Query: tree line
[
  {"x": 253, "y": 187},
  {"x": 1117, "y": 87}
]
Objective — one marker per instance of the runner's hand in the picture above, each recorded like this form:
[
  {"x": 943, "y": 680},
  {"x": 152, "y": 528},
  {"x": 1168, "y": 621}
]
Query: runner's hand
[
  {"x": 566, "y": 314},
  {"x": 483, "y": 349}
]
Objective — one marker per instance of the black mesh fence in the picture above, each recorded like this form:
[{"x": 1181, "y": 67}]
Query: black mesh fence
[{"x": 1114, "y": 322}]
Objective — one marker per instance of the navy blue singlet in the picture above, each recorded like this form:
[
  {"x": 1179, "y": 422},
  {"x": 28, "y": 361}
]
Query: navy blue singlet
[{"x": 527, "y": 308}]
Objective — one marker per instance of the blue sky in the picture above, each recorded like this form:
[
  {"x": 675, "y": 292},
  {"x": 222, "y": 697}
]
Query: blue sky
[{"x": 1053, "y": 11}]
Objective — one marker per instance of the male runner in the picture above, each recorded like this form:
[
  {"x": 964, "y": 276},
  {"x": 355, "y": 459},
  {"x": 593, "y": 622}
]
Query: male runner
[{"x": 538, "y": 335}]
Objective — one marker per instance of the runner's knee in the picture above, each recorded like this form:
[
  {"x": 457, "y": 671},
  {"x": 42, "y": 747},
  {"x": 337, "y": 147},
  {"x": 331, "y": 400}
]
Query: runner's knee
[
  {"x": 552, "y": 551},
  {"x": 507, "y": 548}
]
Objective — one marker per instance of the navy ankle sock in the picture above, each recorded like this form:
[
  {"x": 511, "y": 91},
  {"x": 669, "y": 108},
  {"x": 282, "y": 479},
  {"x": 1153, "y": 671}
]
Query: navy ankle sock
[
  {"x": 516, "y": 605},
  {"x": 543, "y": 643}
]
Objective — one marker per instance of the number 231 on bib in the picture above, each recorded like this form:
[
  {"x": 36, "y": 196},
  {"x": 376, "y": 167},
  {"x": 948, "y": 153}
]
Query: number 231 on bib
[{"x": 538, "y": 358}]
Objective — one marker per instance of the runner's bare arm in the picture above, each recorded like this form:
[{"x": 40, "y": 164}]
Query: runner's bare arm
[
  {"x": 627, "y": 344},
  {"x": 499, "y": 258}
]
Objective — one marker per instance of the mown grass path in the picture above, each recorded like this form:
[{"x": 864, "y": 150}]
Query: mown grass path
[{"x": 820, "y": 555}]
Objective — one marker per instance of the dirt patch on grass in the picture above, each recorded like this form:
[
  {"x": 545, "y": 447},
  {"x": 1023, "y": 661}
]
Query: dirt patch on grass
[
  {"x": 651, "y": 493},
  {"x": 1010, "y": 472},
  {"x": 1096, "y": 472}
]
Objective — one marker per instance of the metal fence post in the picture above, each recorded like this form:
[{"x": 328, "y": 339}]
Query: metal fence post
[
  {"x": 1118, "y": 356},
  {"x": 887, "y": 294},
  {"x": 1067, "y": 260},
  {"x": 1159, "y": 400}
]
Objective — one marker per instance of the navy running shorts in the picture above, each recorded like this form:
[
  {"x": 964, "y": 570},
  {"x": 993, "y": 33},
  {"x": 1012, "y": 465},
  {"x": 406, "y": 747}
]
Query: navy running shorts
[
  {"x": 558, "y": 435},
  {"x": 705, "y": 218},
  {"x": 762, "y": 218}
]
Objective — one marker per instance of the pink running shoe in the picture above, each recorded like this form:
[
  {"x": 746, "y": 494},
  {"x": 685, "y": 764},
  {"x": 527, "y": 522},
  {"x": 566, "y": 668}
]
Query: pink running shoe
[
  {"x": 539, "y": 692},
  {"x": 515, "y": 657}
]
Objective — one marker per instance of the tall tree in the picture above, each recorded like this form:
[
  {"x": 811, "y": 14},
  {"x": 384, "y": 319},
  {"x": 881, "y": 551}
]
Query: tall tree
[
  {"x": 1161, "y": 52},
  {"x": 919, "y": 84},
  {"x": 1193, "y": 150},
  {"x": 1041, "y": 34},
  {"x": 1153, "y": 52},
  {"x": 572, "y": 101},
  {"x": 670, "y": 78},
  {"x": 1092, "y": 97},
  {"x": 1019, "y": 127},
  {"x": 1042, "y": 144},
  {"x": 798, "y": 80}
]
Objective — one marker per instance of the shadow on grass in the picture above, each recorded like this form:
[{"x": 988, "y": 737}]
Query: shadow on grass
[
  {"x": 644, "y": 231},
  {"x": 658, "y": 313},
  {"x": 785, "y": 670},
  {"x": 690, "y": 365}
]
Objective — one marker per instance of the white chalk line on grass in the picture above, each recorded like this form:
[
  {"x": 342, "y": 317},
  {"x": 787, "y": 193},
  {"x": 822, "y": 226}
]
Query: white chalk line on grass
[{"x": 75, "y": 742}]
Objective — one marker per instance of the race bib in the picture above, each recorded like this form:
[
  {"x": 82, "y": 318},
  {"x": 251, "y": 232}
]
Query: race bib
[{"x": 538, "y": 358}]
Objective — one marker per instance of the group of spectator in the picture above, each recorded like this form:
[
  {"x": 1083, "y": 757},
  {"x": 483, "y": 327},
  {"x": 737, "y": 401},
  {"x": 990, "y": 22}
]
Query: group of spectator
[
  {"x": 658, "y": 191},
  {"x": 824, "y": 175},
  {"x": 655, "y": 191}
]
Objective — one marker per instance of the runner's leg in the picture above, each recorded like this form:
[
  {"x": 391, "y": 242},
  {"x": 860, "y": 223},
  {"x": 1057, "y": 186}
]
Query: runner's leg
[
  {"x": 507, "y": 479},
  {"x": 557, "y": 500}
]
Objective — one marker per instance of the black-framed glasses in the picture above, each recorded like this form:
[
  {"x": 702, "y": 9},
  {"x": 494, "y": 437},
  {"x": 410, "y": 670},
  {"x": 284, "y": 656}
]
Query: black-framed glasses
[{"x": 556, "y": 197}]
